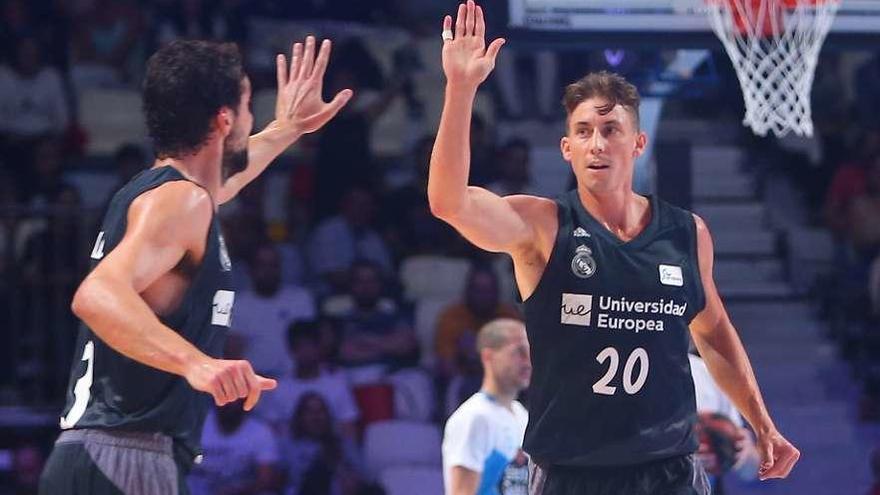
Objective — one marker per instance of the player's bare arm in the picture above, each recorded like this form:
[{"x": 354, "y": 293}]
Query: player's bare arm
[
  {"x": 721, "y": 349},
  {"x": 166, "y": 233},
  {"x": 299, "y": 109},
  {"x": 464, "y": 481},
  {"x": 509, "y": 224}
]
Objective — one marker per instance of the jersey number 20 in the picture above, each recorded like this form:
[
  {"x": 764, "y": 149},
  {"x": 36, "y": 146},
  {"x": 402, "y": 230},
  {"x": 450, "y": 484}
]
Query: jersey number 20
[{"x": 631, "y": 387}]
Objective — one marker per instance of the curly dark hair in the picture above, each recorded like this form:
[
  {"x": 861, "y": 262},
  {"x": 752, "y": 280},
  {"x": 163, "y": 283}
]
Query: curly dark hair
[
  {"x": 607, "y": 85},
  {"x": 186, "y": 84}
]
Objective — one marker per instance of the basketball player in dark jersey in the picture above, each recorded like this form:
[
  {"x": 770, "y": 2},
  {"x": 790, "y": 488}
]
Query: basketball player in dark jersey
[
  {"x": 157, "y": 303},
  {"x": 613, "y": 283}
]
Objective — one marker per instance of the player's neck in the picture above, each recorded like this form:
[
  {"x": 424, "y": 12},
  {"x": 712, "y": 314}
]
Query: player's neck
[
  {"x": 200, "y": 168},
  {"x": 496, "y": 393},
  {"x": 622, "y": 211}
]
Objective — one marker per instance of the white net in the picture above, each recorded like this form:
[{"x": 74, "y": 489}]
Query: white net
[{"x": 774, "y": 46}]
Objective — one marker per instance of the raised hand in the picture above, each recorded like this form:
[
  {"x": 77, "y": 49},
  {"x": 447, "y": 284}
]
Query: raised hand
[
  {"x": 300, "y": 106},
  {"x": 466, "y": 60}
]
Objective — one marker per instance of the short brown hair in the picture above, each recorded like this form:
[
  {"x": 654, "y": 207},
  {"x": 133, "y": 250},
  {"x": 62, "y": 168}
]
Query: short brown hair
[{"x": 606, "y": 85}]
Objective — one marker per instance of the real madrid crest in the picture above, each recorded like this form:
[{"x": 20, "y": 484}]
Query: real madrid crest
[{"x": 583, "y": 265}]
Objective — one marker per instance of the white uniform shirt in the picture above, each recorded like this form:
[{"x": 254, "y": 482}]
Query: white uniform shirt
[{"x": 485, "y": 437}]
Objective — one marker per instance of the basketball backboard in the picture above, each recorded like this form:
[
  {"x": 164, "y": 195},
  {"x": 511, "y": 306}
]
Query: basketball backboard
[{"x": 678, "y": 22}]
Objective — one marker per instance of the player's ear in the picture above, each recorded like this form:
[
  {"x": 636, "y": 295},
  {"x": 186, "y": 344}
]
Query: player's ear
[
  {"x": 565, "y": 148},
  {"x": 641, "y": 144},
  {"x": 224, "y": 120}
]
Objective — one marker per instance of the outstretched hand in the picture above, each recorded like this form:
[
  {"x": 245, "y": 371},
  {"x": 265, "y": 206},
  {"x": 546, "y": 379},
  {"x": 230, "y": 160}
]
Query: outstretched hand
[
  {"x": 299, "y": 105},
  {"x": 466, "y": 60}
]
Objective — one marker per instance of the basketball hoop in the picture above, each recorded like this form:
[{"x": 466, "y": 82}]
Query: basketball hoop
[{"x": 774, "y": 46}]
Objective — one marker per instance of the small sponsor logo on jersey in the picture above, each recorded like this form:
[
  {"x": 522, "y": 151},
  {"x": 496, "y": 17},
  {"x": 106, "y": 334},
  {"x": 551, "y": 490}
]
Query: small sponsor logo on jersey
[
  {"x": 580, "y": 232},
  {"x": 583, "y": 265},
  {"x": 577, "y": 309},
  {"x": 98, "y": 250},
  {"x": 671, "y": 275},
  {"x": 225, "y": 262},
  {"x": 222, "y": 312}
]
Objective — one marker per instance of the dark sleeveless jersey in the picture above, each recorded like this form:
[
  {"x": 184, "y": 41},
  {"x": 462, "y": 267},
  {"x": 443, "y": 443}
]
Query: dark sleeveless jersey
[
  {"x": 110, "y": 391},
  {"x": 608, "y": 328}
]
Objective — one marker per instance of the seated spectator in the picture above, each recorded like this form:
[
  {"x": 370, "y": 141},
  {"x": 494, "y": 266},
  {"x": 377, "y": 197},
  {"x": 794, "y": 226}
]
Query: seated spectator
[
  {"x": 262, "y": 315},
  {"x": 240, "y": 455},
  {"x": 50, "y": 273},
  {"x": 32, "y": 103},
  {"x": 311, "y": 374},
  {"x": 104, "y": 48},
  {"x": 339, "y": 240},
  {"x": 187, "y": 19},
  {"x": 376, "y": 338},
  {"x": 864, "y": 228},
  {"x": 515, "y": 176},
  {"x": 316, "y": 459},
  {"x": 46, "y": 182},
  {"x": 848, "y": 182},
  {"x": 480, "y": 304},
  {"x": 410, "y": 228}
]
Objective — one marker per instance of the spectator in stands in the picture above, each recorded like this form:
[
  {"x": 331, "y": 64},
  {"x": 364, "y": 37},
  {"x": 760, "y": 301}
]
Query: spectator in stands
[
  {"x": 344, "y": 156},
  {"x": 186, "y": 19},
  {"x": 46, "y": 175},
  {"x": 317, "y": 460},
  {"x": 105, "y": 47},
  {"x": 262, "y": 315},
  {"x": 483, "y": 152},
  {"x": 459, "y": 322},
  {"x": 866, "y": 82},
  {"x": 514, "y": 164},
  {"x": 864, "y": 212},
  {"x": 33, "y": 103},
  {"x": 311, "y": 374},
  {"x": 17, "y": 22},
  {"x": 50, "y": 271},
  {"x": 245, "y": 231},
  {"x": 376, "y": 336},
  {"x": 411, "y": 228},
  {"x": 848, "y": 181},
  {"x": 129, "y": 160},
  {"x": 240, "y": 455},
  {"x": 339, "y": 240}
]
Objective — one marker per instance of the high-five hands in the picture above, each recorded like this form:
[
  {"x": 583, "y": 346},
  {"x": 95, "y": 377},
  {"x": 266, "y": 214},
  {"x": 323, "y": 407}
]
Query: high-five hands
[
  {"x": 466, "y": 60},
  {"x": 299, "y": 106}
]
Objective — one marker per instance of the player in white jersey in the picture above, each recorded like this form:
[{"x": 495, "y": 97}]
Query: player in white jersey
[{"x": 482, "y": 441}]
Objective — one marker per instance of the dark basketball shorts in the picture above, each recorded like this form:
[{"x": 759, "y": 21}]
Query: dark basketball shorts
[
  {"x": 98, "y": 462},
  {"x": 675, "y": 476}
]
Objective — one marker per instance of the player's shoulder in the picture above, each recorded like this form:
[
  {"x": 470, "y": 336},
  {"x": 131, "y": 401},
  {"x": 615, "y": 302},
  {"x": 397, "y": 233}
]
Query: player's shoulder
[
  {"x": 538, "y": 208},
  {"x": 173, "y": 202}
]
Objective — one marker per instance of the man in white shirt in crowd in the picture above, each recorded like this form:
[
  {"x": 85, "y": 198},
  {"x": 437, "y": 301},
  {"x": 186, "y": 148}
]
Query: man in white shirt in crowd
[
  {"x": 310, "y": 374},
  {"x": 711, "y": 400},
  {"x": 240, "y": 455},
  {"x": 482, "y": 441},
  {"x": 263, "y": 314}
]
